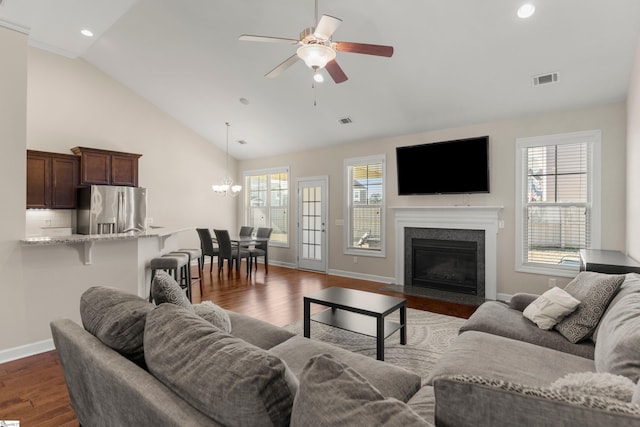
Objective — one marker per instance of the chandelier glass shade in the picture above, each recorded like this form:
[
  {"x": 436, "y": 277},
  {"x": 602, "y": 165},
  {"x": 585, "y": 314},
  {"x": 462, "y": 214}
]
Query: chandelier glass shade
[
  {"x": 227, "y": 188},
  {"x": 316, "y": 56}
]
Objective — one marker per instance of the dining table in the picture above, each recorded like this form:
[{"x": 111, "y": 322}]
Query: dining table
[{"x": 243, "y": 242}]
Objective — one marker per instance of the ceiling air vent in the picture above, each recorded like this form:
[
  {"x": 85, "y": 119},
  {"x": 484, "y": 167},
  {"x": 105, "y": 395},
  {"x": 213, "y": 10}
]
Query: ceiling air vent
[
  {"x": 345, "y": 120},
  {"x": 544, "y": 79}
]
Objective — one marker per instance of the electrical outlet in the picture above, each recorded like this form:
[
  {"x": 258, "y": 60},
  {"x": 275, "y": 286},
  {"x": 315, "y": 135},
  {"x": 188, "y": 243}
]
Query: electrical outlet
[
  {"x": 552, "y": 283},
  {"x": 355, "y": 259},
  {"x": 149, "y": 220}
]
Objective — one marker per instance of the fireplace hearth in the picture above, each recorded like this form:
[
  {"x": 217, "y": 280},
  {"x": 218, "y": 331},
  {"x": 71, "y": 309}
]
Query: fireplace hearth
[{"x": 450, "y": 220}]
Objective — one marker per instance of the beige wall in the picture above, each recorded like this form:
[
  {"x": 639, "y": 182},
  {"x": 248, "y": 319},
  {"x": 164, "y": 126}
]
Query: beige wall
[
  {"x": 13, "y": 119},
  {"x": 610, "y": 119},
  {"x": 633, "y": 160},
  {"x": 52, "y": 103}
]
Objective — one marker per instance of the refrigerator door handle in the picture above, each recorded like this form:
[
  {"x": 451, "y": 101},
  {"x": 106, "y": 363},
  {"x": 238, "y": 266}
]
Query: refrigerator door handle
[{"x": 121, "y": 211}]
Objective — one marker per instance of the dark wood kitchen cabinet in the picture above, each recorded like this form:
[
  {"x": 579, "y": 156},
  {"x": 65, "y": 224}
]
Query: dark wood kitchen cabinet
[
  {"x": 52, "y": 179},
  {"x": 104, "y": 167}
]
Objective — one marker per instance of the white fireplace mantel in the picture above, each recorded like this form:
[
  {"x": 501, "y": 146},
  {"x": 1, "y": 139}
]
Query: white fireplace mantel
[{"x": 487, "y": 218}]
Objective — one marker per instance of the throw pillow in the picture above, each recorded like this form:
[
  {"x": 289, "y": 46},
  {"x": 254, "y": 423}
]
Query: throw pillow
[
  {"x": 228, "y": 379},
  {"x": 214, "y": 314},
  {"x": 333, "y": 394},
  {"x": 550, "y": 308},
  {"x": 618, "y": 340},
  {"x": 579, "y": 399},
  {"x": 594, "y": 291},
  {"x": 116, "y": 318},
  {"x": 596, "y": 384},
  {"x": 164, "y": 288}
]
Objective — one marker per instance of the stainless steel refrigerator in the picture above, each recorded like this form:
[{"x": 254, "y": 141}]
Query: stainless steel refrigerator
[{"x": 108, "y": 209}]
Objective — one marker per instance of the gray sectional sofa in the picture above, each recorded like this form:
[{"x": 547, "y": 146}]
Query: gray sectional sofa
[{"x": 134, "y": 363}]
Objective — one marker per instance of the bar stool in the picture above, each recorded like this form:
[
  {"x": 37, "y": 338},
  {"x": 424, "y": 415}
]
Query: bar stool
[
  {"x": 176, "y": 264},
  {"x": 193, "y": 254}
]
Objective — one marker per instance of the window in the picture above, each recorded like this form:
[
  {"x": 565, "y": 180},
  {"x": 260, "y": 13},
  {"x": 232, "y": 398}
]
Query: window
[
  {"x": 267, "y": 202},
  {"x": 558, "y": 201},
  {"x": 364, "y": 226}
]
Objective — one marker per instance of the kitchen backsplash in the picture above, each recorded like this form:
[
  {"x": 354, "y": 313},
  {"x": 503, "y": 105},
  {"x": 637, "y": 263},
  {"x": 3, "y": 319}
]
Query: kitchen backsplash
[{"x": 41, "y": 222}]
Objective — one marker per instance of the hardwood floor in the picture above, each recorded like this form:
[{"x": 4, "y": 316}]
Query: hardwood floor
[{"x": 33, "y": 390}]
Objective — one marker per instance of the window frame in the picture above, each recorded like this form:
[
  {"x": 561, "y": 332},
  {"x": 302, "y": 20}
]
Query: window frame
[
  {"x": 348, "y": 164},
  {"x": 247, "y": 200},
  {"x": 593, "y": 138}
]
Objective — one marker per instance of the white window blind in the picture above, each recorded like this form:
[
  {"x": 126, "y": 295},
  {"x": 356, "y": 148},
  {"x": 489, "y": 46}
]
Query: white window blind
[
  {"x": 556, "y": 200},
  {"x": 267, "y": 202},
  {"x": 365, "y": 206}
]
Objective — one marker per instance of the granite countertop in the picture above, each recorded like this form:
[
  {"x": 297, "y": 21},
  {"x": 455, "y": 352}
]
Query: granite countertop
[{"x": 84, "y": 238}]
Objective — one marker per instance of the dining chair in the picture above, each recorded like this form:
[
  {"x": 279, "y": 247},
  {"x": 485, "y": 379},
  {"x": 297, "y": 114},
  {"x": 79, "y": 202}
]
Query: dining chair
[
  {"x": 245, "y": 231},
  {"x": 228, "y": 252},
  {"x": 206, "y": 245},
  {"x": 261, "y": 249}
]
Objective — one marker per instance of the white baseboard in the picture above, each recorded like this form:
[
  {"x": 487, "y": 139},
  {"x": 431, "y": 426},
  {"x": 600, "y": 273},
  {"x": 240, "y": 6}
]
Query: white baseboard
[
  {"x": 369, "y": 277},
  {"x": 26, "y": 350},
  {"x": 503, "y": 297}
]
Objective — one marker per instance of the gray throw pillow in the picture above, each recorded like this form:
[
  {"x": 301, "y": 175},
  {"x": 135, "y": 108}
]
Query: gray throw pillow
[
  {"x": 594, "y": 291},
  {"x": 228, "y": 379},
  {"x": 214, "y": 314},
  {"x": 333, "y": 394},
  {"x": 116, "y": 318},
  {"x": 164, "y": 288},
  {"x": 618, "y": 345}
]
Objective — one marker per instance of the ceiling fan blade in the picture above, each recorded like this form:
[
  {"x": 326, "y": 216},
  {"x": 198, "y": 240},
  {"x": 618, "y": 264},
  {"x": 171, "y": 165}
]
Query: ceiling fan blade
[
  {"x": 367, "y": 49},
  {"x": 326, "y": 27},
  {"x": 336, "y": 72},
  {"x": 282, "y": 66},
  {"x": 251, "y": 38}
]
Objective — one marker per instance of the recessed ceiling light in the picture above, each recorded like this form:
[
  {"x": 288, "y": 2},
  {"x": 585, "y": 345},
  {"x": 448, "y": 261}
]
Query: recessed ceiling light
[
  {"x": 526, "y": 10},
  {"x": 86, "y": 32}
]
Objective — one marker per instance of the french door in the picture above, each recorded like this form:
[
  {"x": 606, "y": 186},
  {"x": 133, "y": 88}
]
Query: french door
[{"x": 312, "y": 220}]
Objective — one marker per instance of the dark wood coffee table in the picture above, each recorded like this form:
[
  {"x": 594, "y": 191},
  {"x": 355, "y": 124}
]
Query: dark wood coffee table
[{"x": 351, "y": 310}]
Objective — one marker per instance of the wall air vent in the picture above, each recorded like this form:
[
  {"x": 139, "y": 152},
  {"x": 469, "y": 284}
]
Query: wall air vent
[
  {"x": 544, "y": 79},
  {"x": 345, "y": 120}
]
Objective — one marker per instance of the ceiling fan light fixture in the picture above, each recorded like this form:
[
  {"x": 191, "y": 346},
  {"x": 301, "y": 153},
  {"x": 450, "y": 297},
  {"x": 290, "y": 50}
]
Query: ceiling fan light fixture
[
  {"x": 526, "y": 11},
  {"x": 319, "y": 78},
  {"x": 316, "y": 56}
]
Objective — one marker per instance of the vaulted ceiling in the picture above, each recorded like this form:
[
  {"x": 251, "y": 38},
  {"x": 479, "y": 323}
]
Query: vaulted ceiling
[{"x": 456, "y": 62}]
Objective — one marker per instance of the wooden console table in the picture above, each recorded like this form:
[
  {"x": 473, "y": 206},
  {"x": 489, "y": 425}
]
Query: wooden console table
[{"x": 604, "y": 261}]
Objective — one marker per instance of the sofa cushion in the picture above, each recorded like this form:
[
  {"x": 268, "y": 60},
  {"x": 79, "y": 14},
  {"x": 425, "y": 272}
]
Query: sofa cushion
[
  {"x": 230, "y": 380},
  {"x": 618, "y": 342},
  {"x": 423, "y": 403},
  {"x": 601, "y": 384},
  {"x": 390, "y": 380},
  {"x": 497, "y": 318},
  {"x": 333, "y": 394},
  {"x": 214, "y": 314},
  {"x": 164, "y": 289},
  {"x": 550, "y": 308},
  {"x": 116, "y": 318},
  {"x": 594, "y": 291},
  {"x": 482, "y": 354},
  {"x": 257, "y": 332},
  {"x": 630, "y": 285}
]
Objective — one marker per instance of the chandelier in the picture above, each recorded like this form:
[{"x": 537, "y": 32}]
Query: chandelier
[{"x": 227, "y": 188}]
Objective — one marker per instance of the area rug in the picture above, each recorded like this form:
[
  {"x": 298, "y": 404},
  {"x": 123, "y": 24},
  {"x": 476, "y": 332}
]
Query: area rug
[{"x": 428, "y": 336}]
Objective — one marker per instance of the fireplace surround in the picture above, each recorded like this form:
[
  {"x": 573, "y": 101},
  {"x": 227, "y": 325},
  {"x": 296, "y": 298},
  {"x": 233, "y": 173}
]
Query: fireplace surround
[{"x": 481, "y": 218}]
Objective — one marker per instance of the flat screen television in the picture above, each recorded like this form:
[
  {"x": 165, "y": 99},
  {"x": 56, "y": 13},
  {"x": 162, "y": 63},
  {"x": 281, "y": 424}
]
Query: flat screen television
[{"x": 449, "y": 167}]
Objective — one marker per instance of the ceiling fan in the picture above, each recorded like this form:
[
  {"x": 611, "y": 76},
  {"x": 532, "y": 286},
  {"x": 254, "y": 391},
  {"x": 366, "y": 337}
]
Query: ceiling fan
[{"x": 317, "y": 50}]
